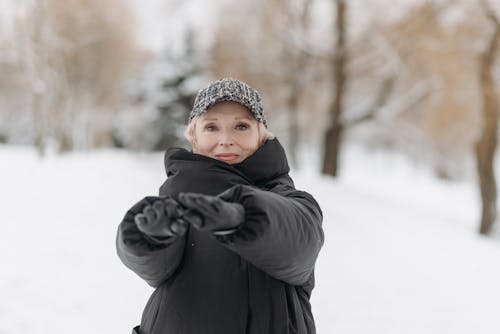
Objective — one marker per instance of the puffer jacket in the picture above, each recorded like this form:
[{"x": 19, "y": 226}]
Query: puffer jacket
[{"x": 257, "y": 280}]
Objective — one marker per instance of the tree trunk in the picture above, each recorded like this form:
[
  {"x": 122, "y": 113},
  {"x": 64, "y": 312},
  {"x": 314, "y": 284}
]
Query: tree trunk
[
  {"x": 38, "y": 122},
  {"x": 36, "y": 74},
  {"x": 293, "y": 126},
  {"x": 487, "y": 186},
  {"x": 333, "y": 134},
  {"x": 486, "y": 145},
  {"x": 332, "y": 148},
  {"x": 296, "y": 62}
]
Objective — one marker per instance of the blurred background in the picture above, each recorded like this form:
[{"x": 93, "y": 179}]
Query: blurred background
[
  {"x": 409, "y": 75},
  {"x": 388, "y": 111}
]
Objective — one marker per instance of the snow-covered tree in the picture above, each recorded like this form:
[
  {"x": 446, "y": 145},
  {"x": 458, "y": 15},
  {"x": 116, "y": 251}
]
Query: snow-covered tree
[{"x": 161, "y": 96}]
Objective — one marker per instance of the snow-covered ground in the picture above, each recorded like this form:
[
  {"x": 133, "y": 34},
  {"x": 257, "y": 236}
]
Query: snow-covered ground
[{"x": 401, "y": 254}]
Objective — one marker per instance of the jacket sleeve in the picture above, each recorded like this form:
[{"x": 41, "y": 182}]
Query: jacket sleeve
[
  {"x": 282, "y": 233},
  {"x": 153, "y": 260}
]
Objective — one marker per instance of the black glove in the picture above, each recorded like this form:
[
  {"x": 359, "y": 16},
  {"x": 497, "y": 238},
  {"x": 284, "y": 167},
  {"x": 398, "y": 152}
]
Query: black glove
[
  {"x": 161, "y": 219},
  {"x": 210, "y": 213}
]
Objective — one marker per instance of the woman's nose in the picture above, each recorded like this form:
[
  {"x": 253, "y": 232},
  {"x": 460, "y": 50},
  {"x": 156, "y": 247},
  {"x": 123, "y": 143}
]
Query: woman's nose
[{"x": 225, "y": 139}]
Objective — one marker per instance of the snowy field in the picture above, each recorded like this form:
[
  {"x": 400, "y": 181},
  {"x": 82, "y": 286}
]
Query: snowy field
[{"x": 401, "y": 255}]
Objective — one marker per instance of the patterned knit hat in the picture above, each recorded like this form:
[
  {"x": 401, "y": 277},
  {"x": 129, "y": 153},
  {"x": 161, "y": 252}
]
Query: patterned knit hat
[{"x": 228, "y": 89}]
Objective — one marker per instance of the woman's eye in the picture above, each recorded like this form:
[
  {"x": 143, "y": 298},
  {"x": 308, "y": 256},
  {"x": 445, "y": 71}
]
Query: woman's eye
[
  {"x": 210, "y": 128},
  {"x": 242, "y": 126}
]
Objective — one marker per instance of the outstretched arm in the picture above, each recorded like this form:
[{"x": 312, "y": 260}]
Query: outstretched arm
[
  {"x": 277, "y": 230},
  {"x": 282, "y": 233},
  {"x": 154, "y": 259}
]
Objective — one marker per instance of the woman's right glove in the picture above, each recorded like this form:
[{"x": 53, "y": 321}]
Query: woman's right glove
[
  {"x": 211, "y": 213},
  {"x": 161, "y": 219}
]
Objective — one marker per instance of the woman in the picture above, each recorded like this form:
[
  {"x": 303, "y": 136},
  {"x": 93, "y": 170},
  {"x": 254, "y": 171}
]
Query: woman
[{"x": 229, "y": 244}]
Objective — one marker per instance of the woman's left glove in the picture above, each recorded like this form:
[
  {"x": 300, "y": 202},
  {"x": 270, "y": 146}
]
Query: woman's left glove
[
  {"x": 211, "y": 213},
  {"x": 161, "y": 219}
]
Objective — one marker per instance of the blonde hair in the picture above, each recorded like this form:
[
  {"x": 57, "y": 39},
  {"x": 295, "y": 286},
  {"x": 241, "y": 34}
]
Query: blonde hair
[{"x": 189, "y": 133}]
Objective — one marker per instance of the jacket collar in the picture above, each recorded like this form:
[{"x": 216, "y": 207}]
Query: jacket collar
[{"x": 264, "y": 165}]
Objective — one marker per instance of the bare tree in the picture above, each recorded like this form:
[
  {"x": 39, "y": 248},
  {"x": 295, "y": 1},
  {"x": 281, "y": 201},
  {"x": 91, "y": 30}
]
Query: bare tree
[
  {"x": 75, "y": 55},
  {"x": 434, "y": 94},
  {"x": 487, "y": 143},
  {"x": 291, "y": 33},
  {"x": 334, "y": 131},
  {"x": 37, "y": 61}
]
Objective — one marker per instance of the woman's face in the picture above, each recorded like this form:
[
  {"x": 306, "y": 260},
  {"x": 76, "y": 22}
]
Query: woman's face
[{"x": 227, "y": 132}]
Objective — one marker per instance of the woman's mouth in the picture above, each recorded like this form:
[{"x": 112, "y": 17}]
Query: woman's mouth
[{"x": 227, "y": 157}]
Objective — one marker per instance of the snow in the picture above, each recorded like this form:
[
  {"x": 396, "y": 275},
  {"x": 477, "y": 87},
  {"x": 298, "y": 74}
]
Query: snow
[{"x": 401, "y": 254}]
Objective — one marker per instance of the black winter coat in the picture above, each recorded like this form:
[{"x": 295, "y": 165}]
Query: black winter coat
[{"x": 257, "y": 280}]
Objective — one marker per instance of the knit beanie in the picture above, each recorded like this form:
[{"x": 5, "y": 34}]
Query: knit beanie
[{"x": 228, "y": 89}]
